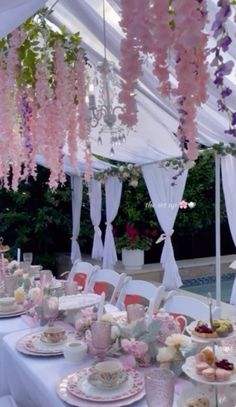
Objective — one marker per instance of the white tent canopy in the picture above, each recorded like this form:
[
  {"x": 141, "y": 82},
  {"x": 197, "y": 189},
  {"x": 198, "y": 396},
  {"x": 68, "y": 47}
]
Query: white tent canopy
[{"x": 157, "y": 120}]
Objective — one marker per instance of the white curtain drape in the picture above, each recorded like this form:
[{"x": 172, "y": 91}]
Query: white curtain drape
[
  {"x": 165, "y": 200},
  {"x": 228, "y": 169},
  {"x": 76, "y": 198},
  {"x": 95, "y": 198},
  {"x": 113, "y": 188}
]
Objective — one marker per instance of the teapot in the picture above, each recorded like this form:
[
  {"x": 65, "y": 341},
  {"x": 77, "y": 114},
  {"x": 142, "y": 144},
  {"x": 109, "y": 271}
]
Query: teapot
[{"x": 169, "y": 324}]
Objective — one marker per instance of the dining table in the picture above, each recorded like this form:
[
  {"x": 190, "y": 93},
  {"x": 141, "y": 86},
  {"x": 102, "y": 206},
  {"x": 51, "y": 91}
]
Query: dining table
[
  {"x": 7, "y": 326},
  {"x": 32, "y": 380}
]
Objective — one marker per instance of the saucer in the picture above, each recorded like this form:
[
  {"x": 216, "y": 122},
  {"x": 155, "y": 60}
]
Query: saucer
[{"x": 94, "y": 381}]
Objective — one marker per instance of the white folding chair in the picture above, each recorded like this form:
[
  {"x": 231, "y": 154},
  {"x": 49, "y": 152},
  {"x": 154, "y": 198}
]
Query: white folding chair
[
  {"x": 7, "y": 401},
  {"x": 187, "y": 305},
  {"x": 140, "y": 288},
  {"x": 82, "y": 272},
  {"x": 103, "y": 279},
  {"x": 233, "y": 294}
]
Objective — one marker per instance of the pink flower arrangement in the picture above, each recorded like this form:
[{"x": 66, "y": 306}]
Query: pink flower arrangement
[
  {"x": 136, "y": 348},
  {"x": 43, "y": 109},
  {"x": 173, "y": 33}
]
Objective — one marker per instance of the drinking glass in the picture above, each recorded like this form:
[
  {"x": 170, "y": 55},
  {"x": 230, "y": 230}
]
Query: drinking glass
[
  {"x": 70, "y": 287},
  {"x": 10, "y": 285},
  {"x": 101, "y": 337},
  {"x": 135, "y": 312},
  {"x": 46, "y": 276},
  {"x": 27, "y": 259},
  {"x": 160, "y": 387},
  {"x": 50, "y": 309}
]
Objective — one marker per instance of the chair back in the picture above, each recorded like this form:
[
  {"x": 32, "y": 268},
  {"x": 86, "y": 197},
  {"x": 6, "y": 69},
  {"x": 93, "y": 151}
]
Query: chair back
[
  {"x": 187, "y": 305},
  {"x": 134, "y": 291},
  {"x": 233, "y": 294},
  {"x": 105, "y": 280},
  {"x": 82, "y": 272}
]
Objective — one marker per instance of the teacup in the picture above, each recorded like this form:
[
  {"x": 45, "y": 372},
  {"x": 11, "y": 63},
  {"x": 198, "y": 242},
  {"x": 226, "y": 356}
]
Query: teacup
[
  {"x": 54, "y": 334},
  {"x": 109, "y": 373}
]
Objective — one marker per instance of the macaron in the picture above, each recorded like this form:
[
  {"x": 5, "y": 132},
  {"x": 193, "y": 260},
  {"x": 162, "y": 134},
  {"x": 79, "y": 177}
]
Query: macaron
[
  {"x": 201, "y": 366},
  {"x": 209, "y": 374},
  {"x": 200, "y": 357},
  {"x": 222, "y": 374}
]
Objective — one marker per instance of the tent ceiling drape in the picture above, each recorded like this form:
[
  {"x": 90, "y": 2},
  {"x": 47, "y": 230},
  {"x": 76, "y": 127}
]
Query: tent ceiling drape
[{"x": 153, "y": 139}]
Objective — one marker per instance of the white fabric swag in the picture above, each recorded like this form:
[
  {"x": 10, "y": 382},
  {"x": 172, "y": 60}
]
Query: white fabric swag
[
  {"x": 95, "y": 199},
  {"x": 228, "y": 168},
  {"x": 113, "y": 188},
  {"x": 165, "y": 199},
  {"x": 76, "y": 197}
]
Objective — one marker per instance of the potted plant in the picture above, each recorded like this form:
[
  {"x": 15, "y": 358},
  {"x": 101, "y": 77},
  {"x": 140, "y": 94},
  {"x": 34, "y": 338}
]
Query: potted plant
[{"x": 132, "y": 245}]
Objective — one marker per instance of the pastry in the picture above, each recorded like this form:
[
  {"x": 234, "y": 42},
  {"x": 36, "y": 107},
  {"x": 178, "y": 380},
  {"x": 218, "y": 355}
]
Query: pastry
[
  {"x": 209, "y": 374},
  {"x": 219, "y": 328},
  {"x": 201, "y": 366},
  {"x": 222, "y": 374},
  {"x": 207, "y": 356},
  {"x": 201, "y": 402}
]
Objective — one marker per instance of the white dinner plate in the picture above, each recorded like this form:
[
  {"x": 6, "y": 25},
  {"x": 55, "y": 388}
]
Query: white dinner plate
[
  {"x": 189, "y": 368},
  {"x": 65, "y": 395}
]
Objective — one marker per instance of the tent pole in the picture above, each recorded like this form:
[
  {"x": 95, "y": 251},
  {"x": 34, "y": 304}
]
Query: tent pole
[{"x": 217, "y": 234}]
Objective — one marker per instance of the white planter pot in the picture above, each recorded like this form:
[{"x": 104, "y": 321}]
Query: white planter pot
[{"x": 133, "y": 259}]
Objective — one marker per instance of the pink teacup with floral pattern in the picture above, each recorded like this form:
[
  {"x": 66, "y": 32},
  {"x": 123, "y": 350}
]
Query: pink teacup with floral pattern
[
  {"x": 54, "y": 334},
  {"x": 109, "y": 372}
]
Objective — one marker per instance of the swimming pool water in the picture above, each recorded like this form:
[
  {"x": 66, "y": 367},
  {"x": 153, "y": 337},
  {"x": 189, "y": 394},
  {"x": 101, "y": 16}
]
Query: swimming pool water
[{"x": 204, "y": 285}]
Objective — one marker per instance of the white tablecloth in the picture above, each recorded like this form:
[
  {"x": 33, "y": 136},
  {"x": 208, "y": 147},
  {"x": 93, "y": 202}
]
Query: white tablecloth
[
  {"x": 8, "y": 325},
  {"x": 32, "y": 380}
]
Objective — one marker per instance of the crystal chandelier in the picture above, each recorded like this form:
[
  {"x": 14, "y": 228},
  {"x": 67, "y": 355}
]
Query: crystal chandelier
[{"x": 105, "y": 111}]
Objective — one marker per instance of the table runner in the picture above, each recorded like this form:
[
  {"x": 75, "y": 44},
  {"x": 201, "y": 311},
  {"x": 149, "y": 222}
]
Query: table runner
[{"x": 32, "y": 380}]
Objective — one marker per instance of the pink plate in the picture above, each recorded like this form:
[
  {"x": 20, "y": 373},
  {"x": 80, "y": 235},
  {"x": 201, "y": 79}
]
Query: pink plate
[
  {"x": 19, "y": 310},
  {"x": 79, "y": 386},
  {"x": 66, "y": 396},
  {"x": 31, "y": 344}
]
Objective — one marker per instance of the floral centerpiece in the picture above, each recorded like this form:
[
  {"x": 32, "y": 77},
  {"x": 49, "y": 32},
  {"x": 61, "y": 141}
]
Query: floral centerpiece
[
  {"x": 173, "y": 355},
  {"x": 138, "y": 345}
]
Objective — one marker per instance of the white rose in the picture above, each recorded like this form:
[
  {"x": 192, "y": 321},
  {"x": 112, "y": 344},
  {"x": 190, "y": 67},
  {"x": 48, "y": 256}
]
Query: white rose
[
  {"x": 130, "y": 166},
  {"x": 166, "y": 354},
  {"x": 191, "y": 205},
  {"x": 177, "y": 340},
  {"x": 34, "y": 294},
  {"x": 18, "y": 273},
  {"x": 121, "y": 168},
  {"x": 12, "y": 266},
  {"x": 107, "y": 317}
]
